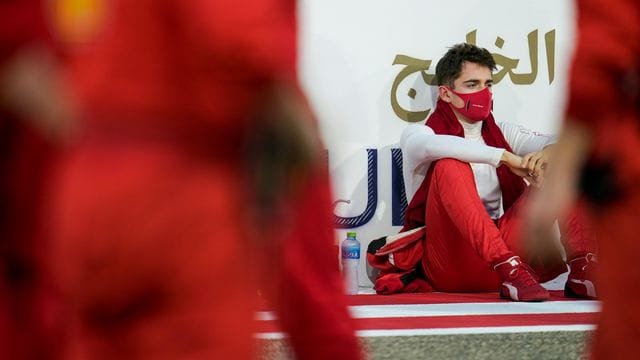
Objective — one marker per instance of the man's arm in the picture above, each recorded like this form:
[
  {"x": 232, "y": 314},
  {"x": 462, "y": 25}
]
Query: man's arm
[{"x": 421, "y": 145}]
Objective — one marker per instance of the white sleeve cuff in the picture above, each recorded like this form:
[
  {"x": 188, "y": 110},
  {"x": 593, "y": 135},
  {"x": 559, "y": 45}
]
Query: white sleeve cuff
[{"x": 497, "y": 156}]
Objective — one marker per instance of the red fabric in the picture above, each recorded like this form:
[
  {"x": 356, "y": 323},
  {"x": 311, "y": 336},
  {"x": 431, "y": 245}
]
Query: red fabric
[
  {"x": 194, "y": 65},
  {"x": 153, "y": 246},
  {"x": 618, "y": 277},
  {"x": 149, "y": 253},
  {"x": 25, "y": 295},
  {"x": 604, "y": 98},
  {"x": 393, "y": 283},
  {"x": 608, "y": 50},
  {"x": 26, "y": 318},
  {"x": 155, "y": 250},
  {"x": 464, "y": 242},
  {"x": 406, "y": 251},
  {"x": 397, "y": 263},
  {"x": 311, "y": 305},
  {"x": 444, "y": 122},
  {"x": 21, "y": 23},
  {"x": 477, "y": 105}
]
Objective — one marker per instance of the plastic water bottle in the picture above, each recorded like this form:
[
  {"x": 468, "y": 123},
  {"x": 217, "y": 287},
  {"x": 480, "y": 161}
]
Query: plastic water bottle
[{"x": 350, "y": 250}]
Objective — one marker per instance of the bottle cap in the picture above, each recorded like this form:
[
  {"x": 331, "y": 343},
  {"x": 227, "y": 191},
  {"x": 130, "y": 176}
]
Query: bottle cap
[{"x": 351, "y": 234}]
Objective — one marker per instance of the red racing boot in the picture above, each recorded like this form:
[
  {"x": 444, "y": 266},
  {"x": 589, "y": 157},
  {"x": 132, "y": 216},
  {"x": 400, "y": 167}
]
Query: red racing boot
[
  {"x": 580, "y": 283},
  {"x": 519, "y": 282}
]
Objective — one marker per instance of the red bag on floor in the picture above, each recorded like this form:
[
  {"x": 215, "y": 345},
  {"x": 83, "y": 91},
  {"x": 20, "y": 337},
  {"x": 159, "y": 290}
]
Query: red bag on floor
[{"x": 397, "y": 258}]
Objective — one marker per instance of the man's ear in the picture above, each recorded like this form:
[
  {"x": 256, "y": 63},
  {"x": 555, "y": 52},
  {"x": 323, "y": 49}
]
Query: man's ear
[{"x": 444, "y": 94}]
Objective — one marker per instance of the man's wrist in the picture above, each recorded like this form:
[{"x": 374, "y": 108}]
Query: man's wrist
[{"x": 505, "y": 157}]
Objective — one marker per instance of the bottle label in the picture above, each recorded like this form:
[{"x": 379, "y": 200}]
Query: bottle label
[{"x": 350, "y": 253}]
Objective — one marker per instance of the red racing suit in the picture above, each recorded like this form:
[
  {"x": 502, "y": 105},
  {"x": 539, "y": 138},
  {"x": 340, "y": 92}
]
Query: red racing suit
[{"x": 155, "y": 252}]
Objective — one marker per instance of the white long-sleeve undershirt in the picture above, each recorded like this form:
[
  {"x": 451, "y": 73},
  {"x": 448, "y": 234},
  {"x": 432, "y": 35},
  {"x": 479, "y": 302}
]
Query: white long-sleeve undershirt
[{"x": 421, "y": 146}]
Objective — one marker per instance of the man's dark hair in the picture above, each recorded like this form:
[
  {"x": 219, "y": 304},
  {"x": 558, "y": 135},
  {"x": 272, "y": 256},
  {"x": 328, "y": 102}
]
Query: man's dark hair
[{"x": 450, "y": 66}]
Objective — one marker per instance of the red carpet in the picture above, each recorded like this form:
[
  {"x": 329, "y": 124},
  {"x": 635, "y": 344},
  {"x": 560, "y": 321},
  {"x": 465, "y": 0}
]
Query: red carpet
[
  {"x": 437, "y": 298},
  {"x": 440, "y": 313}
]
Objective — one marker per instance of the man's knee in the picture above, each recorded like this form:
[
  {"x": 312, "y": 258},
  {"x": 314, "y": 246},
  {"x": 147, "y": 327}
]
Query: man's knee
[
  {"x": 452, "y": 175},
  {"x": 453, "y": 167}
]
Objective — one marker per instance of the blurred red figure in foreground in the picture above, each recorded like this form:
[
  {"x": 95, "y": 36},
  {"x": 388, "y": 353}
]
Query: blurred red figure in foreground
[
  {"x": 196, "y": 176},
  {"x": 33, "y": 118},
  {"x": 601, "y": 141}
]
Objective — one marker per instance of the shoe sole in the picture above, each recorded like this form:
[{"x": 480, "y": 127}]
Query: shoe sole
[
  {"x": 568, "y": 292},
  {"x": 507, "y": 297}
]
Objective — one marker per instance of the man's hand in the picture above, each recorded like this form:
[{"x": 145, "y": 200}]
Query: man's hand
[
  {"x": 536, "y": 165},
  {"x": 514, "y": 162}
]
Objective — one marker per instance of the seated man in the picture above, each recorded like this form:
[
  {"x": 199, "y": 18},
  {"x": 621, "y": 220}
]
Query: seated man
[{"x": 464, "y": 175}]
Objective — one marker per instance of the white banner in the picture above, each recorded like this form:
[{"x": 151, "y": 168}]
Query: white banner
[{"x": 366, "y": 67}]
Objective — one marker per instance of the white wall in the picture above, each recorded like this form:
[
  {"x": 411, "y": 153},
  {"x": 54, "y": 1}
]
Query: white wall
[{"x": 346, "y": 64}]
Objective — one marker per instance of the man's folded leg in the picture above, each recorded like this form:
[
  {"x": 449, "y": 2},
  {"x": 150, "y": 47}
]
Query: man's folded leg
[{"x": 463, "y": 243}]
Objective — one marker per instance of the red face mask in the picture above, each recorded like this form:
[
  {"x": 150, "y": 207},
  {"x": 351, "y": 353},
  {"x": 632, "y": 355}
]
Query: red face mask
[{"x": 477, "y": 105}]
